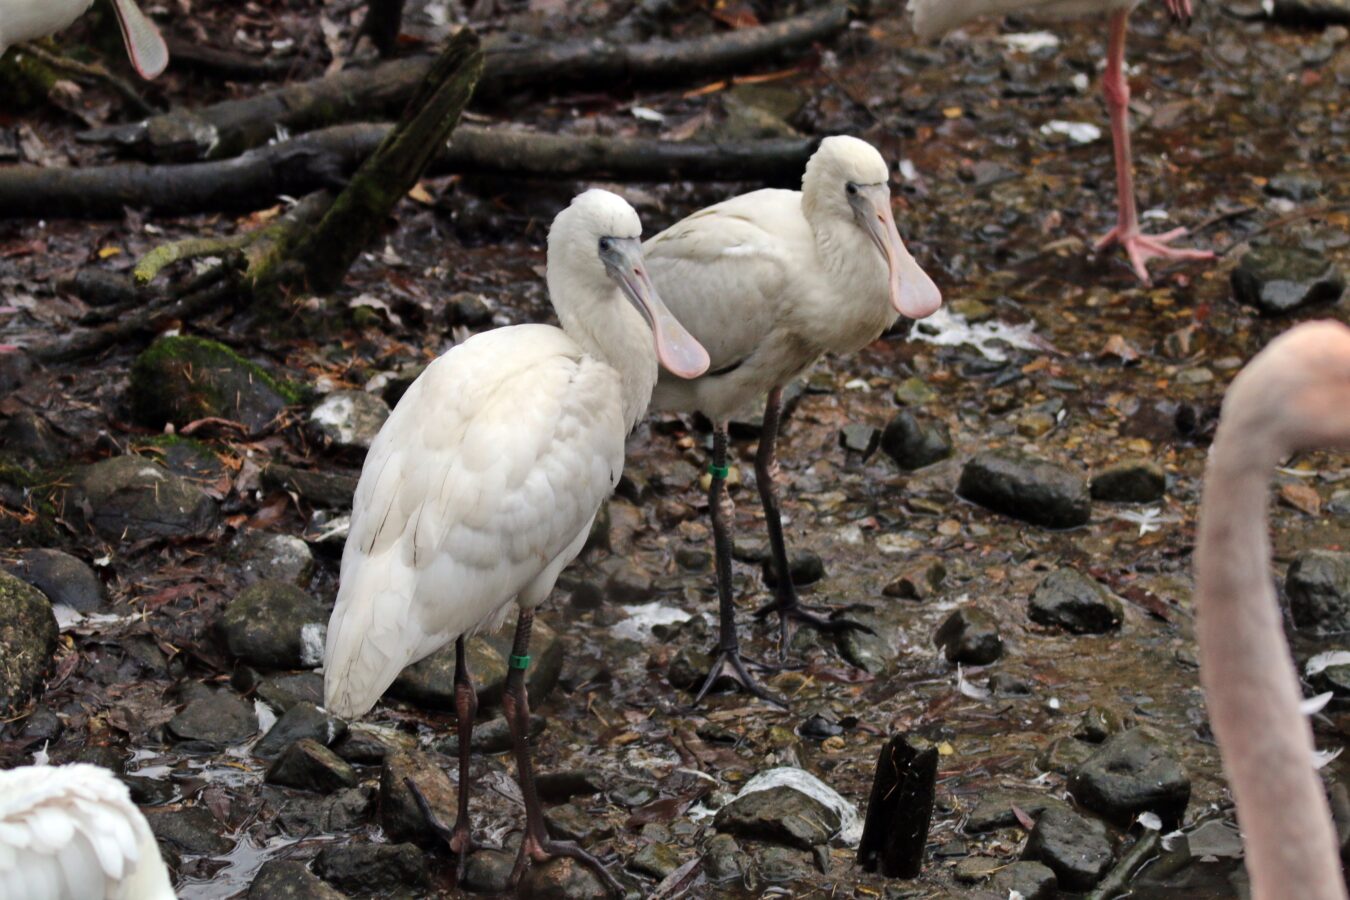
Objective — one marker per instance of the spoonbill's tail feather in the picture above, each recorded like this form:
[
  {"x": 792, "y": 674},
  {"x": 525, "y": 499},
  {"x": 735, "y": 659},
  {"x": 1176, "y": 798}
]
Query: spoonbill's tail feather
[{"x": 369, "y": 639}]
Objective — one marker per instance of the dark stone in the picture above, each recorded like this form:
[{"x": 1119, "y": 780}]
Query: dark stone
[
  {"x": 781, "y": 865},
  {"x": 655, "y": 860},
  {"x": 913, "y": 443},
  {"x": 275, "y": 625},
  {"x": 344, "y": 810},
  {"x": 132, "y": 498},
  {"x": 149, "y": 791},
  {"x": 1075, "y": 848},
  {"x": 626, "y": 581},
  {"x": 561, "y": 878},
  {"x": 1021, "y": 486},
  {"x": 1131, "y": 482},
  {"x": 400, "y": 816},
  {"x": 778, "y": 815},
  {"x": 489, "y": 872},
  {"x": 1299, "y": 186},
  {"x": 994, "y": 810},
  {"x": 213, "y": 718},
  {"x": 492, "y": 736},
  {"x": 633, "y": 794},
  {"x": 283, "y": 879},
  {"x": 1097, "y": 724},
  {"x": 348, "y": 419},
  {"x": 1318, "y": 588},
  {"x": 327, "y": 489},
  {"x": 1031, "y": 880},
  {"x": 373, "y": 868},
  {"x": 63, "y": 578},
  {"x": 181, "y": 379},
  {"x": 310, "y": 766},
  {"x": 28, "y": 637},
  {"x": 303, "y": 720},
  {"x": 899, "y": 810},
  {"x": 42, "y": 725},
  {"x": 1132, "y": 773},
  {"x": 364, "y": 746},
  {"x": 569, "y": 822},
  {"x": 1068, "y": 599},
  {"x": 268, "y": 556},
  {"x": 970, "y": 636},
  {"x": 191, "y": 830},
  {"x": 557, "y": 787},
  {"x": 919, "y": 582},
  {"x": 1277, "y": 280},
  {"x": 723, "y": 861},
  {"x": 1064, "y": 755},
  {"x": 804, "y": 567},
  {"x": 1005, "y": 685},
  {"x": 431, "y": 682},
  {"x": 284, "y": 690},
  {"x": 859, "y": 438},
  {"x": 27, "y": 436},
  {"x": 819, "y": 727}
]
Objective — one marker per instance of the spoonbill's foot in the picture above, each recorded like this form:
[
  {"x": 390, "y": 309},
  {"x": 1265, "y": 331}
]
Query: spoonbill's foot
[
  {"x": 537, "y": 850},
  {"x": 733, "y": 666},
  {"x": 459, "y": 839},
  {"x": 1141, "y": 248},
  {"x": 824, "y": 619}
]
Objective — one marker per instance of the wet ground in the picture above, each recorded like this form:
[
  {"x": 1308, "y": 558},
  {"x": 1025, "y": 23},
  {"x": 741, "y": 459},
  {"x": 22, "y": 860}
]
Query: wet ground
[{"x": 1240, "y": 133}]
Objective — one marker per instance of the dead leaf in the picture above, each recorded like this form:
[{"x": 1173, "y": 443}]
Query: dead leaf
[
  {"x": 1117, "y": 346},
  {"x": 1301, "y": 497}
]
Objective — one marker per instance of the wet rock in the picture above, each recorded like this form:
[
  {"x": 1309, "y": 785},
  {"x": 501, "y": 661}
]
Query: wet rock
[
  {"x": 1068, "y": 599},
  {"x": 1030, "y": 880},
  {"x": 1064, "y": 756},
  {"x": 919, "y": 582},
  {"x": 28, "y": 636},
  {"x": 492, "y": 736},
  {"x": 284, "y": 690},
  {"x": 215, "y": 718},
  {"x": 1075, "y": 848},
  {"x": 804, "y": 567},
  {"x": 348, "y": 420},
  {"x": 859, "y": 438},
  {"x": 780, "y": 865},
  {"x": 778, "y": 815},
  {"x": 284, "y": 879},
  {"x": 1005, "y": 685},
  {"x": 304, "y": 814},
  {"x": 373, "y": 868},
  {"x": 1097, "y": 724},
  {"x": 367, "y": 745},
  {"x": 1278, "y": 280},
  {"x": 914, "y": 391},
  {"x": 276, "y": 625},
  {"x": 181, "y": 379},
  {"x": 633, "y": 794},
  {"x": 468, "y": 309},
  {"x": 1318, "y": 588},
  {"x": 63, "y": 578},
  {"x": 561, "y": 879},
  {"x": 975, "y": 869},
  {"x": 1021, "y": 486},
  {"x": 302, "y": 720},
  {"x": 1299, "y": 186},
  {"x": 969, "y": 636},
  {"x": 149, "y": 791},
  {"x": 27, "y": 436},
  {"x": 556, "y": 787},
  {"x": 914, "y": 443},
  {"x": 431, "y": 682},
  {"x": 1131, "y": 482},
  {"x": 626, "y": 582},
  {"x": 570, "y": 822},
  {"x": 1339, "y": 504},
  {"x": 1132, "y": 773},
  {"x": 655, "y": 860},
  {"x": 42, "y": 725},
  {"x": 869, "y": 651},
  {"x": 489, "y": 872},
  {"x": 400, "y": 815},
  {"x": 132, "y": 498},
  {"x": 327, "y": 489},
  {"x": 723, "y": 861},
  {"x": 995, "y": 809},
  {"x": 191, "y": 830},
  {"x": 268, "y": 556},
  {"x": 310, "y": 766}
]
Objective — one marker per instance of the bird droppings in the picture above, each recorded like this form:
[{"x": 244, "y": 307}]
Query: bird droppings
[{"x": 1078, "y": 132}]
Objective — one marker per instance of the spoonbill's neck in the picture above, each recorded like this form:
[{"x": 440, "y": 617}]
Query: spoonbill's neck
[
  {"x": 1251, "y": 686},
  {"x": 614, "y": 332}
]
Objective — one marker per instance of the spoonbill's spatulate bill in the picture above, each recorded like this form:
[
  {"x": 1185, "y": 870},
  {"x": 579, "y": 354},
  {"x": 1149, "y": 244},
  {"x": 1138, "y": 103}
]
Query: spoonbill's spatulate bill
[
  {"x": 1294, "y": 395},
  {"x": 768, "y": 282},
  {"x": 483, "y": 483},
  {"x": 72, "y": 833},
  {"x": 26, "y": 20},
  {"x": 934, "y": 18}
]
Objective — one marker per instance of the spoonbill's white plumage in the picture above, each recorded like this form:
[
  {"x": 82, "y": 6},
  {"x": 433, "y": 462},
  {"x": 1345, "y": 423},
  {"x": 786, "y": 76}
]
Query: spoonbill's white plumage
[
  {"x": 483, "y": 483},
  {"x": 1294, "y": 395},
  {"x": 26, "y": 20},
  {"x": 934, "y": 18},
  {"x": 768, "y": 282},
  {"x": 72, "y": 833}
]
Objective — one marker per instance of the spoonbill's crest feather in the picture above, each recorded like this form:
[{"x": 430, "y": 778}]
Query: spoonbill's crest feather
[{"x": 72, "y": 833}]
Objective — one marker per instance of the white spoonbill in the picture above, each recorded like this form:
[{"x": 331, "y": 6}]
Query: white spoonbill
[
  {"x": 26, "y": 20},
  {"x": 933, "y": 18},
  {"x": 769, "y": 281},
  {"x": 1294, "y": 395},
  {"x": 483, "y": 483},
  {"x": 72, "y": 833}
]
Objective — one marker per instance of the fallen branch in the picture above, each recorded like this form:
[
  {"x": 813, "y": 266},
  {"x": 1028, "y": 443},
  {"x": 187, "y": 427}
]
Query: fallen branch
[
  {"x": 227, "y": 129},
  {"x": 324, "y": 158}
]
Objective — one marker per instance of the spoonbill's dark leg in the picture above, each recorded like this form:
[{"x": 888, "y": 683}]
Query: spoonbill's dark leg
[
  {"x": 1139, "y": 247},
  {"x": 786, "y": 603},
  {"x": 460, "y": 838},
  {"x": 537, "y": 846},
  {"x": 728, "y": 661}
]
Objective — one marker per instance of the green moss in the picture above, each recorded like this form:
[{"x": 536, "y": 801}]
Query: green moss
[
  {"x": 180, "y": 379},
  {"x": 25, "y": 81}
]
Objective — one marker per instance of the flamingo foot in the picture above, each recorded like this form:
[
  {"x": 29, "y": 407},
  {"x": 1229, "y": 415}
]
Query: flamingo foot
[
  {"x": 1141, "y": 248},
  {"x": 729, "y": 663}
]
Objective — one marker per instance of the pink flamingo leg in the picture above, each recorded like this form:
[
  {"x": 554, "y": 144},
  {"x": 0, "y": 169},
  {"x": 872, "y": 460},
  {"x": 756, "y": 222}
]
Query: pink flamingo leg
[{"x": 1138, "y": 246}]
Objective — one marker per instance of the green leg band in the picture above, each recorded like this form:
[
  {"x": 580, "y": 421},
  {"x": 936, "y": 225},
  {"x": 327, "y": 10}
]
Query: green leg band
[
  {"x": 719, "y": 471},
  {"x": 519, "y": 662}
]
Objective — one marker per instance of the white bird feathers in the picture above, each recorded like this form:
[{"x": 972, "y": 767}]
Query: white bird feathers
[
  {"x": 26, "y": 20},
  {"x": 934, "y": 18},
  {"x": 72, "y": 833}
]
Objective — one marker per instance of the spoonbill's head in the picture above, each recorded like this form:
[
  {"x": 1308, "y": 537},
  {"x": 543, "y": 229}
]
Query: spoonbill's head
[
  {"x": 847, "y": 179},
  {"x": 1295, "y": 392},
  {"x": 594, "y": 246}
]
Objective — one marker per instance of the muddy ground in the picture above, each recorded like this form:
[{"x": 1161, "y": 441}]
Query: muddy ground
[{"x": 1241, "y": 133}]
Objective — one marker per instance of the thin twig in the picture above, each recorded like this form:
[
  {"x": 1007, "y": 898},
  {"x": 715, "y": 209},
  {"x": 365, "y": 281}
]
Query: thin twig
[{"x": 95, "y": 71}]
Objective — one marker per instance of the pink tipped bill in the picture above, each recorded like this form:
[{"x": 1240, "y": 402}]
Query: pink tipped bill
[
  {"x": 913, "y": 293},
  {"x": 145, "y": 45}
]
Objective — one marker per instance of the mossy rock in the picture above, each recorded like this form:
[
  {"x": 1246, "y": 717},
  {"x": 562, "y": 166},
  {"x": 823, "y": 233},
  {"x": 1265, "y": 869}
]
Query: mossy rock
[
  {"x": 181, "y": 379},
  {"x": 28, "y": 635},
  {"x": 133, "y": 498},
  {"x": 25, "y": 81}
]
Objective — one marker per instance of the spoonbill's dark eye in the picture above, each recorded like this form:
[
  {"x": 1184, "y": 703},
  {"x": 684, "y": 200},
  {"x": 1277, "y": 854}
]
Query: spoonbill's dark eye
[
  {"x": 606, "y": 245},
  {"x": 851, "y": 189}
]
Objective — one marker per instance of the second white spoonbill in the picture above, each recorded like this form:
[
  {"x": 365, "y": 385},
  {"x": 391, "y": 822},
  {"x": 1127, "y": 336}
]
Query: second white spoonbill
[
  {"x": 769, "y": 282},
  {"x": 483, "y": 484}
]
